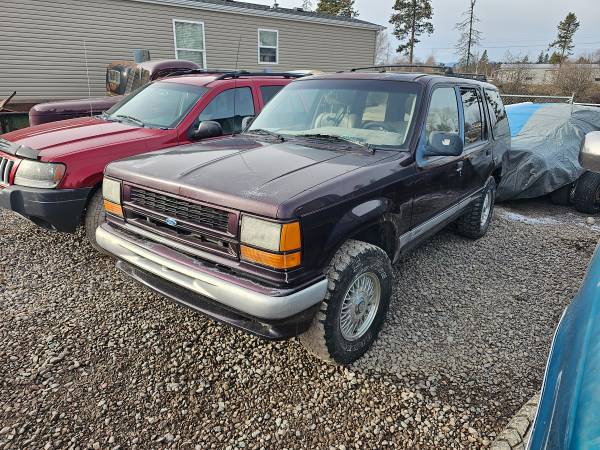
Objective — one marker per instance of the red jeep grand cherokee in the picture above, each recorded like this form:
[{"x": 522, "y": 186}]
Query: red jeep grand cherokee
[{"x": 52, "y": 173}]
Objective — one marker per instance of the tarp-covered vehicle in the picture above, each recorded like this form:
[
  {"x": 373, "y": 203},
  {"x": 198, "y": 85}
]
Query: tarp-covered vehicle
[{"x": 546, "y": 140}]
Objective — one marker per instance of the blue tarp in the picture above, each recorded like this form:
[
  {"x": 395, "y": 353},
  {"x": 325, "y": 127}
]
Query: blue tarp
[{"x": 544, "y": 155}]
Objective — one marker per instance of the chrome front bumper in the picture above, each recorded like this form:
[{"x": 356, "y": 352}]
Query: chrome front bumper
[{"x": 237, "y": 293}]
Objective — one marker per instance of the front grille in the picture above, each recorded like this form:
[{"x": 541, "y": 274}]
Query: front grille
[
  {"x": 193, "y": 213},
  {"x": 6, "y": 166},
  {"x": 5, "y": 145}
]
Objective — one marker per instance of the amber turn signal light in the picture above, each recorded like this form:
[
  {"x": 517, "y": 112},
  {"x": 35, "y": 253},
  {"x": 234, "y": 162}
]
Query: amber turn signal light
[
  {"x": 113, "y": 208},
  {"x": 290, "y": 237},
  {"x": 274, "y": 260}
]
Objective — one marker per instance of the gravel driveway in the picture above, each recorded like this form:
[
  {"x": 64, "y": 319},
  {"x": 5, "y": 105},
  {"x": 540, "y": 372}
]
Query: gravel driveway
[{"x": 90, "y": 359}]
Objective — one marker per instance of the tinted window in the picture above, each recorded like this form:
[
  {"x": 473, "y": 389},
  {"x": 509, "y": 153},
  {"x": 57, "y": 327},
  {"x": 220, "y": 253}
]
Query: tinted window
[
  {"x": 443, "y": 112},
  {"x": 229, "y": 109},
  {"x": 474, "y": 125},
  {"x": 268, "y": 92},
  {"x": 497, "y": 111}
]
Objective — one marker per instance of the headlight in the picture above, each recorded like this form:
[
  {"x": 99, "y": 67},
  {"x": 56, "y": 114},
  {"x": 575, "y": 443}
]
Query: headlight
[
  {"x": 39, "y": 174},
  {"x": 270, "y": 244},
  {"x": 261, "y": 233},
  {"x": 111, "y": 191}
]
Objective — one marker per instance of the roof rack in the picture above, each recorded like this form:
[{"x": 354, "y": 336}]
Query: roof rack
[
  {"x": 470, "y": 76},
  {"x": 382, "y": 68},
  {"x": 245, "y": 73},
  {"x": 444, "y": 70},
  {"x": 228, "y": 73}
]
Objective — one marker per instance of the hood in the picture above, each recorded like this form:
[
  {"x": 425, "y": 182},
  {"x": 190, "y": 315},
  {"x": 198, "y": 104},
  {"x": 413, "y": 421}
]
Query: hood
[
  {"x": 82, "y": 105},
  {"x": 244, "y": 174},
  {"x": 54, "y": 140}
]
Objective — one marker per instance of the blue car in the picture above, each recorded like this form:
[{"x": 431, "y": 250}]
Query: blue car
[{"x": 568, "y": 415}]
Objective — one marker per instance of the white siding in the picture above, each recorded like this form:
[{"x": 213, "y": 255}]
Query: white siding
[{"x": 42, "y": 42}]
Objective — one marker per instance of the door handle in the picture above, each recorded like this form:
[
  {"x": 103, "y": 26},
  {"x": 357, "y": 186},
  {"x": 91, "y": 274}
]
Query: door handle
[{"x": 459, "y": 167}]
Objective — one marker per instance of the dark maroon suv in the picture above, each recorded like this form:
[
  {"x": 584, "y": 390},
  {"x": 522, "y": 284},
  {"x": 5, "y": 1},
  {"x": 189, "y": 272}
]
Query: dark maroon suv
[{"x": 292, "y": 227}]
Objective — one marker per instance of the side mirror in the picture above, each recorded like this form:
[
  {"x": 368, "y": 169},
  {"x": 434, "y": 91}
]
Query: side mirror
[
  {"x": 589, "y": 157},
  {"x": 246, "y": 122},
  {"x": 444, "y": 144},
  {"x": 207, "y": 129}
]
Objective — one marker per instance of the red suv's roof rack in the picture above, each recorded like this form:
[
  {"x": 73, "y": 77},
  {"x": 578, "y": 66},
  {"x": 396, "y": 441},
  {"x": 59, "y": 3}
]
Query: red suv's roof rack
[{"x": 226, "y": 74}]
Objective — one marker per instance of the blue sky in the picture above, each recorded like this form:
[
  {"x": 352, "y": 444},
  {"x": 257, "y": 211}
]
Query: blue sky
[{"x": 521, "y": 26}]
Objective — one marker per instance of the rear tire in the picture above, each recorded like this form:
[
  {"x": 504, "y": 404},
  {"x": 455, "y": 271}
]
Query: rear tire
[
  {"x": 562, "y": 196},
  {"x": 94, "y": 217},
  {"x": 586, "y": 197},
  {"x": 476, "y": 219},
  {"x": 355, "y": 305}
]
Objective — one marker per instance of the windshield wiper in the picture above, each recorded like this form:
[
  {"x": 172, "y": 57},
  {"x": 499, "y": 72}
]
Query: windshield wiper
[
  {"x": 264, "y": 132},
  {"x": 131, "y": 119},
  {"x": 331, "y": 137}
]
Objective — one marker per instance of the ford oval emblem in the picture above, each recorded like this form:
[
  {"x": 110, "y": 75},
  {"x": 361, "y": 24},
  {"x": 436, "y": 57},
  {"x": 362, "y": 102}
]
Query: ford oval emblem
[{"x": 170, "y": 221}]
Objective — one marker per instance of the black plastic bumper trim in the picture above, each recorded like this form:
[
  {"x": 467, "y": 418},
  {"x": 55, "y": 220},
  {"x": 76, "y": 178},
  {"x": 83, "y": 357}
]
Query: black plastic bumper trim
[{"x": 58, "y": 209}]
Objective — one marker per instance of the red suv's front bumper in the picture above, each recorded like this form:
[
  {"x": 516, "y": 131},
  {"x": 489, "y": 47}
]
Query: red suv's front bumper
[{"x": 54, "y": 209}]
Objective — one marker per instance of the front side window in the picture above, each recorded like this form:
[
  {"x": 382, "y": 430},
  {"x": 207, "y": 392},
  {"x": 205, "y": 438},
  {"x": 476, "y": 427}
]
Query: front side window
[
  {"x": 474, "y": 125},
  {"x": 189, "y": 41},
  {"x": 229, "y": 108},
  {"x": 268, "y": 47},
  {"x": 443, "y": 112},
  {"x": 159, "y": 105},
  {"x": 379, "y": 113}
]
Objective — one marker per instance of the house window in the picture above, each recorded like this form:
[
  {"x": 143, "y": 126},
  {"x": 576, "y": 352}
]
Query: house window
[
  {"x": 189, "y": 41},
  {"x": 268, "y": 46}
]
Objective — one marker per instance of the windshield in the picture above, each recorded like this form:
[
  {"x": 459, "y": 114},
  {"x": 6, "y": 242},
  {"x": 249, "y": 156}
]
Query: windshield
[
  {"x": 370, "y": 112},
  {"x": 160, "y": 104}
]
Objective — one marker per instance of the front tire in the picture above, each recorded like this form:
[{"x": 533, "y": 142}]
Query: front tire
[
  {"x": 94, "y": 217},
  {"x": 476, "y": 219},
  {"x": 586, "y": 197},
  {"x": 355, "y": 305}
]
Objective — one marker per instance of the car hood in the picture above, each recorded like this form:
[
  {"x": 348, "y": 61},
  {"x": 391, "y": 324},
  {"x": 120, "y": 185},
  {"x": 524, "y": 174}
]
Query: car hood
[
  {"x": 244, "y": 174},
  {"x": 53, "y": 140}
]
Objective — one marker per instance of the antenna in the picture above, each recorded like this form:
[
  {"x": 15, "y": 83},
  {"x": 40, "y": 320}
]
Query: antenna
[
  {"x": 237, "y": 59},
  {"x": 87, "y": 71}
]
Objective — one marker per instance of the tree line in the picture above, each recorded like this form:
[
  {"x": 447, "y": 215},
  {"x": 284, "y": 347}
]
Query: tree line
[{"x": 412, "y": 19}]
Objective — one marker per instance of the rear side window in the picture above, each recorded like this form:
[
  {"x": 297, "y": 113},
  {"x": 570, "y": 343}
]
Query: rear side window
[
  {"x": 268, "y": 92},
  {"x": 474, "y": 124},
  {"x": 229, "y": 110},
  {"x": 443, "y": 112},
  {"x": 497, "y": 111}
]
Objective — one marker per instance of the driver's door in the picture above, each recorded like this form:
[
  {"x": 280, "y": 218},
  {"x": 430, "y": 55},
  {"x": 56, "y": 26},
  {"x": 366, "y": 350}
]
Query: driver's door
[{"x": 439, "y": 180}]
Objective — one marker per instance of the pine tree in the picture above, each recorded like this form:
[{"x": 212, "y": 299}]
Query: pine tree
[
  {"x": 564, "y": 39},
  {"x": 547, "y": 58},
  {"x": 469, "y": 37},
  {"x": 555, "y": 58},
  {"x": 484, "y": 58},
  {"x": 540, "y": 59},
  {"x": 411, "y": 19},
  {"x": 337, "y": 8},
  {"x": 484, "y": 62}
]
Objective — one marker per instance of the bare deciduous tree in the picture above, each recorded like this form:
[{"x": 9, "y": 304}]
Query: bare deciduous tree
[
  {"x": 382, "y": 48},
  {"x": 571, "y": 78},
  {"x": 514, "y": 75}
]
